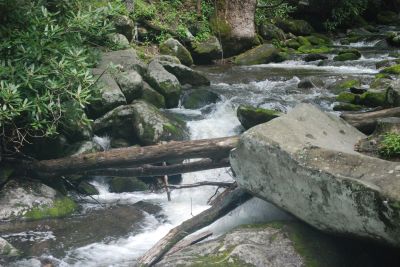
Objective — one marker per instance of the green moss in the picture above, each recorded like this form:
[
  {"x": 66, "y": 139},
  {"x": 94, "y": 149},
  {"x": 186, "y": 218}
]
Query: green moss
[
  {"x": 313, "y": 49},
  {"x": 265, "y": 53},
  {"x": 171, "y": 128},
  {"x": 347, "y": 84},
  {"x": 391, "y": 70},
  {"x": 281, "y": 56},
  {"x": 350, "y": 50},
  {"x": 319, "y": 39},
  {"x": 346, "y": 57},
  {"x": 250, "y": 116},
  {"x": 347, "y": 107},
  {"x": 347, "y": 97},
  {"x": 220, "y": 27},
  {"x": 60, "y": 208},
  {"x": 303, "y": 41},
  {"x": 373, "y": 98},
  {"x": 293, "y": 44}
]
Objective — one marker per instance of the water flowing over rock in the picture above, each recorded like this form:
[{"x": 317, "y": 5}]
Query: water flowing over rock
[{"x": 305, "y": 163}]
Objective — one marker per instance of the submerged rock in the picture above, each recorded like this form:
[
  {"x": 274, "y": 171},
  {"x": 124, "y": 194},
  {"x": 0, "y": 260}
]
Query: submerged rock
[
  {"x": 173, "y": 47},
  {"x": 251, "y": 116},
  {"x": 185, "y": 74},
  {"x": 262, "y": 54},
  {"x": 314, "y": 57},
  {"x": 325, "y": 182},
  {"x": 165, "y": 83},
  {"x": 199, "y": 98}
]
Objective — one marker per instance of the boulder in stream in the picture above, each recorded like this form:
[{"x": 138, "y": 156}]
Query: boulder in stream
[
  {"x": 305, "y": 163},
  {"x": 204, "y": 52},
  {"x": 185, "y": 74},
  {"x": 262, "y": 54},
  {"x": 250, "y": 116},
  {"x": 199, "y": 98},
  {"x": 173, "y": 47}
]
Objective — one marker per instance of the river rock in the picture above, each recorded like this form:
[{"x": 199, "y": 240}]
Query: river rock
[
  {"x": 297, "y": 27},
  {"x": 165, "y": 83},
  {"x": 185, "y": 74},
  {"x": 124, "y": 25},
  {"x": 251, "y": 116},
  {"x": 122, "y": 59},
  {"x": 131, "y": 84},
  {"x": 310, "y": 82},
  {"x": 262, "y": 54},
  {"x": 269, "y": 32},
  {"x": 198, "y": 98},
  {"x": 32, "y": 200},
  {"x": 152, "y": 96},
  {"x": 86, "y": 188},
  {"x": 387, "y": 63},
  {"x": 7, "y": 250},
  {"x": 204, "y": 52},
  {"x": 324, "y": 181},
  {"x": 118, "y": 40},
  {"x": 167, "y": 58},
  {"x": 173, "y": 47},
  {"x": 348, "y": 54},
  {"x": 111, "y": 95},
  {"x": 342, "y": 85},
  {"x": 314, "y": 57}
]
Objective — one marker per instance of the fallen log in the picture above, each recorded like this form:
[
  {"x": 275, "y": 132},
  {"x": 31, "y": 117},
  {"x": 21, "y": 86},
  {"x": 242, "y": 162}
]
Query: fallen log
[
  {"x": 189, "y": 241},
  {"x": 151, "y": 170},
  {"x": 226, "y": 202},
  {"x": 204, "y": 183},
  {"x": 218, "y": 148},
  {"x": 366, "y": 121}
]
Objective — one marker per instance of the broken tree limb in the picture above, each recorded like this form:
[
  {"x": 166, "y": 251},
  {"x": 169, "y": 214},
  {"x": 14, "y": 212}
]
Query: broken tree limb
[
  {"x": 366, "y": 121},
  {"x": 189, "y": 241},
  {"x": 204, "y": 183},
  {"x": 151, "y": 170},
  {"x": 229, "y": 200},
  {"x": 217, "y": 148}
]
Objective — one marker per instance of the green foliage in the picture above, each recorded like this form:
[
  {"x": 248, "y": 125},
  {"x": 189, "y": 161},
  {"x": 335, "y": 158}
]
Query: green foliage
[
  {"x": 344, "y": 12},
  {"x": 267, "y": 14},
  {"x": 175, "y": 17},
  {"x": 45, "y": 61},
  {"x": 60, "y": 208},
  {"x": 390, "y": 146}
]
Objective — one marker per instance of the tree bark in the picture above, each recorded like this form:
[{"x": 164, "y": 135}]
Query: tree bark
[
  {"x": 228, "y": 200},
  {"x": 151, "y": 170},
  {"x": 366, "y": 122},
  {"x": 218, "y": 148}
]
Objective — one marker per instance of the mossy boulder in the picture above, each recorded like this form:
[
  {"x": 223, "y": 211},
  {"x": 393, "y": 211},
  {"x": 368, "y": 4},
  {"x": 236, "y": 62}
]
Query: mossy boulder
[
  {"x": 165, "y": 83},
  {"x": 394, "y": 70},
  {"x": 347, "y": 107},
  {"x": 387, "y": 17},
  {"x": 7, "y": 250},
  {"x": 297, "y": 27},
  {"x": 374, "y": 98},
  {"x": 344, "y": 85},
  {"x": 173, "y": 47},
  {"x": 124, "y": 184},
  {"x": 314, "y": 49},
  {"x": 124, "y": 25},
  {"x": 74, "y": 124},
  {"x": 118, "y": 41},
  {"x": 199, "y": 98},
  {"x": 204, "y": 52},
  {"x": 269, "y": 32},
  {"x": 262, "y": 54},
  {"x": 251, "y": 116},
  {"x": 152, "y": 96},
  {"x": 348, "y": 54},
  {"x": 185, "y": 74},
  {"x": 281, "y": 56},
  {"x": 347, "y": 97},
  {"x": 303, "y": 40},
  {"x": 131, "y": 84},
  {"x": 87, "y": 189},
  {"x": 314, "y": 57},
  {"x": 387, "y": 63},
  {"x": 61, "y": 207},
  {"x": 293, "y": 43},
  {"x": 319, "y": 39}
]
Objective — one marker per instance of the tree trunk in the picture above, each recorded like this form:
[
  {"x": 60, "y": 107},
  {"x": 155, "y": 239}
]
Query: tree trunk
[
  {"x": 234, "y": 24},
  {"x": 366, "y": 121},
  {"x": 226, "y": 202},
  {"x": 217, "y": 149}
]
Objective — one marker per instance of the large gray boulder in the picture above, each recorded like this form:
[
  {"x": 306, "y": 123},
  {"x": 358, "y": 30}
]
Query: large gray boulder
[
  {"x": 173, "y": 47},
  {"x": 204, "y": 52},
  {"x": 122, "y": 59},
  {"x": 185, "y": 74},
  {"x": 305, "y": 163},
  {"x": 262, "y": 54},
  {"x": 152, "y": 96},
  {"x": 165, "y": 83},
  {"x": 111, "y": 95},
  {"x": 131, "y": 84}
]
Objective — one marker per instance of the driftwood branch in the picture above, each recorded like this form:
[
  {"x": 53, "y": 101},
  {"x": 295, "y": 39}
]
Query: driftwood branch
[
  {"x": 366, "y": 121},
  {"x": 228, "y": 200},
  {"x": 204, "y": 183},
  {"x": 151, "y": 170},
  {"x": 218, "y": 148}
]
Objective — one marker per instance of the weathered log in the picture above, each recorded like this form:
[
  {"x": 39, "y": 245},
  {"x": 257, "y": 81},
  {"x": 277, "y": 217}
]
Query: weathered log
[
  {"x": 151, "y": 170},
  {"x": 133, "y": 156},
  {"x": 204, "y": 183},
  {"x": 366, "y": 121},
  {"x": 229, "y": 200},
  {"x": 189, "y": 241}
]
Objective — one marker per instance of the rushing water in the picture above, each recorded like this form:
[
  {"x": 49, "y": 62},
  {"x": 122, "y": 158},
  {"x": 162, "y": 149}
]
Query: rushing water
[{"x": 269, "y": 86}]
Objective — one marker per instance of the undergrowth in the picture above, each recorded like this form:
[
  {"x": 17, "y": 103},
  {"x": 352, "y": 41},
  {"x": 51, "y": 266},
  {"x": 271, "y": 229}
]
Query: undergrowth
[{"x": 390, "y": 145}]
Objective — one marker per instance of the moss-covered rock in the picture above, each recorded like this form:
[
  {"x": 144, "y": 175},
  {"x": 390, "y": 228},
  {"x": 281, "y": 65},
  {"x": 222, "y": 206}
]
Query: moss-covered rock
[
  {"x": 314, "y": 57},
  {"x": 269, "y": 32},
  {"x": 297, "y": 27},
  {"x": 87, "y": 188},
  {"x": 395, "y": 70},
  {"x": 281, "y": 56},
  {"x": 387, "y": 63},
  {"x": 314, "y": 49},
  {"x": 262, "y": 54},
  {"x": 204, "y": 52},
  {"x": 185, "y": 74},
  {"x": 293, "y": 43},
  {"x": 251, "y": 116},
  {"x": 303, "y": 40},
  {"x": 199, "y": 98},
  {"x": 374, "y": 98},
  {"x": 5, "y": 173},
  {"x": 131, "y": 84},
  {"x": 347, "y": 107},
  {"x": 7, "y": 250},
  {"x": 346, "y": 55},
  {"x": 123, "y": 184},
  {"x": 61, "y": 207},
  {"x": 319, "y": 39},
  {"x": 350, "y": 50},
  {"x": 344, "y": 85},
  {"x": 347, "y": 97},
  {"x": 152, "y": 96},
  {"x": 175, "y": 48}
]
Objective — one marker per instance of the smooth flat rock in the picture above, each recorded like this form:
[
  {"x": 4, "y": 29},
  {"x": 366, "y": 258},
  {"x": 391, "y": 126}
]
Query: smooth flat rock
[{"x": 305, "y": 163}]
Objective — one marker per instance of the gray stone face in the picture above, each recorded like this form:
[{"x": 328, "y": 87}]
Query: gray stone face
[
  {"x": 165, "y": 83},
  {"x": 7, "y": 250},
  {"x": 185, "y": 74},
  {"x": 204, "y": 52},
  {"x": 305, "y": 163},
  {"x": 118, "y": 40},
  {"x": 123, "y": 59},
  {"x": 173, "y": 47},
  {"x": 131, "y": 84},
  {"x": 111, "y": 95},
  {"x": 124, "y": 25},
  {"x": 152, "y": 96}
]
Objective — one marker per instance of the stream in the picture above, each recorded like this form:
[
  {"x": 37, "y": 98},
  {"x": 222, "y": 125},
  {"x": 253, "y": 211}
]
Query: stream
[{"x": 125, "y": 225}]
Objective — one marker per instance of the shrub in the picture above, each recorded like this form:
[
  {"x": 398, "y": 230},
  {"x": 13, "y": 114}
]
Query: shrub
[
  {"x": 280, "y": 10},
  {"x": 390, "y": 145},
  {"x": 344, "y": 12},
  {"x": 45, "y": 58}
]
